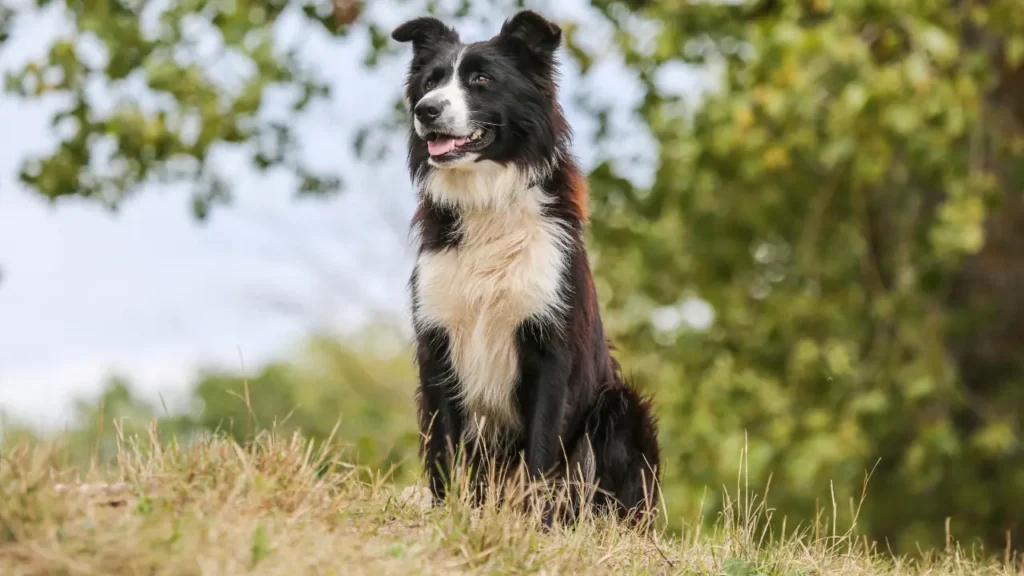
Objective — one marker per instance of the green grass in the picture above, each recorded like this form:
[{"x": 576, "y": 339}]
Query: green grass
[{"x": 284, "y": 506}]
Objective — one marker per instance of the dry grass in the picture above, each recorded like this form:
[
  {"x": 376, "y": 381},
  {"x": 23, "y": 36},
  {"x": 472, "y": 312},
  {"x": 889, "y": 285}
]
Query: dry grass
[{"x": 284, "y": 506}]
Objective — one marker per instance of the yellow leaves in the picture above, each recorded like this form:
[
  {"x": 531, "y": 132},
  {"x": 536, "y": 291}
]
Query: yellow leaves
[
  {"x": 984, "y": 183},
  {"x": 819, "y": 419},
  {"x": 995, "y": 439},
  {"x": 838, "y": 359},
  {"x": 667, "y": 44},
  {"x": 960, "y": 226},
  {"x": 1015, "y": 51},
  {"x": 873, "y": 158},
  {"x": 956, "y": 120},
  {"x": 938, "y": 44},
  {"x": 855, "y": 96},
  {"x": 871, "y": 402},
  {"x": 776, "y": 158},
  {"x": 154, "y": 129},
  {"x": 903, "y": 119},
  {"x": 743, "y": 116},
  {"x": 919, "y": 388},
  {"x": 772, "y": 101},
  {"x": 836, "y": 151},
  {"x": 820, "y": 5},
  {"x": 966, "y": 89},
  {"x": 1017, "y": 146},
  {"x": 978, "y": 15},
  {"x": 803, "y": 358},
  {"x": 919, "y": 72},
  {"x": 789, "y": 74},
  {"x": 810, "y": 360}
]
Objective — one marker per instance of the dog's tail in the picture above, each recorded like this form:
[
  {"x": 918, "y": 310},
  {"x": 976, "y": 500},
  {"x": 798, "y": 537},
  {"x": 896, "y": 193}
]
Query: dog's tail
[{"x": 622, "y": 433}]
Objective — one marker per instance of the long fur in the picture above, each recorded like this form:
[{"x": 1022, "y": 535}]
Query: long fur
[{"x": 511, "y": 351}]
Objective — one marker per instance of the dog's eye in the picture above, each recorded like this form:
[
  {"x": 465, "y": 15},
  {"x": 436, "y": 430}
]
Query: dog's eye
[
  {"x": 430, "y": 85},
  {"x": 480, "y": 79}
]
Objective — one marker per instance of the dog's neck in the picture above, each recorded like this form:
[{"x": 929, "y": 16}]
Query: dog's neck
[{"x": 486, "y": 186}]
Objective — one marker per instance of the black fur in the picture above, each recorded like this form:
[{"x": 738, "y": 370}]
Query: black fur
[{"x": 570, "y": 393}]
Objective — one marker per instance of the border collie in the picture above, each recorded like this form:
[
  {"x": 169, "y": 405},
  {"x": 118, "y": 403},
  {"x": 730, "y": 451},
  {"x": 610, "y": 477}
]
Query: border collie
[{"x": 512, "y": 358}]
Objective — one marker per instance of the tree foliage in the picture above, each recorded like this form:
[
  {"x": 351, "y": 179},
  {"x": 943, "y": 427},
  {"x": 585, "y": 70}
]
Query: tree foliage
[
  {"x": 351, "y": 389},
  {"x": 357, "y": 391},
  {"x": 847, "y": 200},
  {"x": 150, "y": 91}
]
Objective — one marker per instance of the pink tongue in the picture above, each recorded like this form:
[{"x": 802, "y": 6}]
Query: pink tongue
[{"x": 444, "y": 145}]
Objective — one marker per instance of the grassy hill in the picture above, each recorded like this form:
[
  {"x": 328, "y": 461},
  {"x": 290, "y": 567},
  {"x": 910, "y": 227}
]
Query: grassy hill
[{"x": 284, "y": 506}]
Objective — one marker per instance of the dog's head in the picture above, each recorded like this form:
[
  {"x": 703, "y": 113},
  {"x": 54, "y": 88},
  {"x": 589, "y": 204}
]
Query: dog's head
[{"x": 493, "y": 100}]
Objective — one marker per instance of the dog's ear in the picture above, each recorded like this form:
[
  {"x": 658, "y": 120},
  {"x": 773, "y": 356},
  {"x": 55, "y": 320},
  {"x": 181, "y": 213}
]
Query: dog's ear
[
  {"x": 539, "y": 35},
  {"x": 425, "y": 32}
]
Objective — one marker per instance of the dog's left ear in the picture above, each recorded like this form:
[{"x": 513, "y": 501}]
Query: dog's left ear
[
  {"x": 539, "y": 35},
  {"x": 425, "y": 32}
]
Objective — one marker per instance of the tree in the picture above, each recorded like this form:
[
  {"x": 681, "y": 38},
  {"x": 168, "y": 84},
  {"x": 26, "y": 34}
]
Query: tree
[
  {"x": 849, "y": 203},
  {"x": 186, "y": 111},
  {"x": 360, "y": 390},
  {"x": 356, "y": 390}
]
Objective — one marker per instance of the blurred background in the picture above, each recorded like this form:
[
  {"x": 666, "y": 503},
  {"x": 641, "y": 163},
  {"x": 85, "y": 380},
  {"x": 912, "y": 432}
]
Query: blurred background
[{"x": 807, "y": 228}]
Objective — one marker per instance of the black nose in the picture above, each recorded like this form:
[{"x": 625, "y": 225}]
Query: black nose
[{"x": 427, "y": 111}]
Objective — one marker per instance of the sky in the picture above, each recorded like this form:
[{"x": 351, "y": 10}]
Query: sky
[{"x": 150, "y": 294}]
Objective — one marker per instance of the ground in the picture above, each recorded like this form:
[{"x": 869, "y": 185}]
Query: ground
[{"x": 286, "y": 506}]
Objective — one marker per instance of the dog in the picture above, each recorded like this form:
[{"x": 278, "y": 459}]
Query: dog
[{"x": 512, "y": 358}]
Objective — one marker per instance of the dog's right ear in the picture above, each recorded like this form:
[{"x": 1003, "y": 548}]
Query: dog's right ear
[
  {"x": 539, "y": 35},
  {"x": 425, "y": 32}
]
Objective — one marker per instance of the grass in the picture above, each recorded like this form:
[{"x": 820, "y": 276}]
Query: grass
[{"x": 287, "y": 506}]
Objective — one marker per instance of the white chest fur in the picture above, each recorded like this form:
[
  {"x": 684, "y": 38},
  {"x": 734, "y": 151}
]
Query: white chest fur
[{"x": 506, "y": 269}]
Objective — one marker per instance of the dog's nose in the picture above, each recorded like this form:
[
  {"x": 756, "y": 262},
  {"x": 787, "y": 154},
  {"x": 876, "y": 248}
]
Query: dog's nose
[{"x": 428, "y": 110}]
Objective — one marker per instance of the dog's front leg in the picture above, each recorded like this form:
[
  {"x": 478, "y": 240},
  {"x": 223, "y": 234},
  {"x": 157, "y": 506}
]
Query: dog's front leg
[
  {"x": 543, "y": 424},
  {"x": 546, "y": 365},
  {"x": 441, "y": 420}
]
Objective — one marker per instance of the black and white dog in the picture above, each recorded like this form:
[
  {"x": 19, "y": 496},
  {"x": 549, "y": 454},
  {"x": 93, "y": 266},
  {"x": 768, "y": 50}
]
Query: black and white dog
[{"x": 512, "y": 356}]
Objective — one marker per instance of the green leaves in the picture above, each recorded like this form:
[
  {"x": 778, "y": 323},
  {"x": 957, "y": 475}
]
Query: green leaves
[
  {"x": 186, "y": 112},
  {"x": 863, "y": 140}
]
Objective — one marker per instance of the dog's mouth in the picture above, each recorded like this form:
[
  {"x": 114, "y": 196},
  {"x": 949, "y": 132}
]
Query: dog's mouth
[{"x": 448, "y": 147}]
